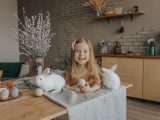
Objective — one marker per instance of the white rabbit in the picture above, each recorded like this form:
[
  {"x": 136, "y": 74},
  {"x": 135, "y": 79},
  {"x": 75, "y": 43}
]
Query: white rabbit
[
  {"x": 110, "y": 79},
  {"x": 49, "y": 81}
]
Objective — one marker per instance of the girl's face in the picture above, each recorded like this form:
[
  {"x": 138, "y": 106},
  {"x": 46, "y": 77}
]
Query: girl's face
[{"x": 81, "y": 53}]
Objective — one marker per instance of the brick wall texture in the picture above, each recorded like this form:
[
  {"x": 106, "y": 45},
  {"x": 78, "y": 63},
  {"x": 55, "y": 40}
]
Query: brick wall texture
[{"x": 71, "y": 15}]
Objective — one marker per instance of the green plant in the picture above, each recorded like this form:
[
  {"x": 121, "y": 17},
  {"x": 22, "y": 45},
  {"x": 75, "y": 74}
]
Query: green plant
[{"x": 102, "y": 44}]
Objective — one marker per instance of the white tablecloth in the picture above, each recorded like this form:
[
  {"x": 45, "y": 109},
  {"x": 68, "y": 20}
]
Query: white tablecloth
[{"x": 104, "y": 104}]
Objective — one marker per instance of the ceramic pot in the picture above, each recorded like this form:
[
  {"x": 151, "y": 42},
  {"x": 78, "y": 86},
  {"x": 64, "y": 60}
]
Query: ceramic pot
[
  {"x": 34, "y": 63},
  {"x": 117, "y": 48}
]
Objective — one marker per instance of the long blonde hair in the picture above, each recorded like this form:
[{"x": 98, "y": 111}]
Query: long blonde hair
[{"x": 92, "y": 67}]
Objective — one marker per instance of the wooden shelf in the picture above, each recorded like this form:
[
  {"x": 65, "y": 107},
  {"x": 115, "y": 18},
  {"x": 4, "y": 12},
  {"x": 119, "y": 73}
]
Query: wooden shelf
[{"x": 120, "y": 15}]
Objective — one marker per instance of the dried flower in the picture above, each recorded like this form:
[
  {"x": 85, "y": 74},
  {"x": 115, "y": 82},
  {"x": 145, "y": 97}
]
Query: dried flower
[
  {"x": 101, "y": 5},
  {"x": 35, "y": 35},
  {"x": 97, "y": 5},
  {"x": 150, "y": 40}
]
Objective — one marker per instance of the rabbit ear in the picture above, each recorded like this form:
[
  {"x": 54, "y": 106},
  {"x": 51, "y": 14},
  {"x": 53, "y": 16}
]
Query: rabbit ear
[
  {"x": 47, "y": 71},
  {"x": 39, "y": 70},
  {"x": 114, "y": 68}
]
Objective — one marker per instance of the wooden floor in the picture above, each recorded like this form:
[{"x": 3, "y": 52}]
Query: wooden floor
[
  {"x": 142, "y": 110},
  {"x": 138, "y": 110}
]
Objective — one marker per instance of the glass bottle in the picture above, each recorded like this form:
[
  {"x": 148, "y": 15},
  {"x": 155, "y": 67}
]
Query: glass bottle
[{"x": 152, "y": 48}]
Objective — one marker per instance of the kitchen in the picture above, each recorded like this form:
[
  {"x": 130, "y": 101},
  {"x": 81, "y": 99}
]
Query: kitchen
[{"x": 127, "y": 36}]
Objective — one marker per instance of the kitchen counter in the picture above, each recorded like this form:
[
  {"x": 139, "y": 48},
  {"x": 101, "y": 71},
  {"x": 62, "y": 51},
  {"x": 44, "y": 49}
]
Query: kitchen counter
[
  {"x": 138, "y": 69},
  {"x": 127, "y": 55}
]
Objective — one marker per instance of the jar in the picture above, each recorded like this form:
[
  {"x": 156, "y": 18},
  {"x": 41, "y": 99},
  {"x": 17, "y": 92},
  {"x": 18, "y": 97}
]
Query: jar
[
  {"x": 110, "y": 11},
  {"x": 117, "y": 48}
]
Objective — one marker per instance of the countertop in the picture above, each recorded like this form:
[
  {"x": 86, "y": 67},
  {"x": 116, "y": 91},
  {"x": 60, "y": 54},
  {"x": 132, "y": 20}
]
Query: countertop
[{"x": 127, "y": 55}]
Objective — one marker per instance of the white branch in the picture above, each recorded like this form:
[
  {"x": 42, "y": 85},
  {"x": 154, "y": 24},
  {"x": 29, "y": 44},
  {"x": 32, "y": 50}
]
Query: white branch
[{"x": 35, "y": 35}]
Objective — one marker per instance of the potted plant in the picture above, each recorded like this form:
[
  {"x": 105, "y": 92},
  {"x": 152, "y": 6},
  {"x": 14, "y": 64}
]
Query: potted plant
[
  {"x": 102, "y": 46},
  {"x": 34, "y": 36},
  {"x": 102, "y": 6},
  {"x": 98, "y": 5}
]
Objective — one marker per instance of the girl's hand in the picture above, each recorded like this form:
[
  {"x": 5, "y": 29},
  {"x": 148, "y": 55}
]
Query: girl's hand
[
  {"x": 76, "y": 89},
  {"x": 85, "y": 88}
]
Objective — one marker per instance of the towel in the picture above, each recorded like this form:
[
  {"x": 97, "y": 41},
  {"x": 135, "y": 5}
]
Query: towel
[{"x": 103, "y": 104}]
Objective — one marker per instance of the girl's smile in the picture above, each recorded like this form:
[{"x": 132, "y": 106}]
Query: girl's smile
[{"x": 82, "y": 60}]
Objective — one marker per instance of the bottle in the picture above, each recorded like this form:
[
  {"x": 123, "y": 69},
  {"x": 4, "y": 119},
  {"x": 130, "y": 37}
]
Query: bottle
[{"x": 152, "y": 48}]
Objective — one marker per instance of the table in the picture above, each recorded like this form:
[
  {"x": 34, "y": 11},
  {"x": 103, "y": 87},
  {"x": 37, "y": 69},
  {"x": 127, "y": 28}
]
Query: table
[
  {"x": 127, "y": 85},
  {"x": 29, "y": 107}
]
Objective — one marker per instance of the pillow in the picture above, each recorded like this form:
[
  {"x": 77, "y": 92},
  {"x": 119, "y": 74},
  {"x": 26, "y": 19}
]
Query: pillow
[
  {"x": 24, "y": 70},
  {"x": 1, "y": 73}
]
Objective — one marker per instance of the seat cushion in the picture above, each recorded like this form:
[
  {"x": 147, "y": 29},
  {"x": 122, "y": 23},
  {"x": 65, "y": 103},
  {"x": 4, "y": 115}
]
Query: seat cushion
[
  {"x": 1, "y": 73},
  {"x": 24, "y": 70}
]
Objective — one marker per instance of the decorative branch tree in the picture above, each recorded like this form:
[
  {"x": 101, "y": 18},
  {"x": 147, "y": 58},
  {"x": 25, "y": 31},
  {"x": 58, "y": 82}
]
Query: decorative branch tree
[{"x": 34, "y": 35}]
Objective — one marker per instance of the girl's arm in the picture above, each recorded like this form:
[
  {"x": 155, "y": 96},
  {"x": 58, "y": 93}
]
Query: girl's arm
[
  {"x": 87, "y": 88},
  {"x": 76, "y": 89}
]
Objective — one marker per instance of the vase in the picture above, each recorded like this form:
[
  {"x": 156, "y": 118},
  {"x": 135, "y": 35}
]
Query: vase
[
  {"x": 98, "y": 13},
  {"x": 103, "y": 49},
  {"x": 40, "y": 62},
  {"x": 34, "y": 63}
]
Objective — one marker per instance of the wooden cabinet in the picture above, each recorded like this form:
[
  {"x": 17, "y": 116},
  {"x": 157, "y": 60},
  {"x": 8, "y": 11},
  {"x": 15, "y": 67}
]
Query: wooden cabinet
[
  {"x": 130, "y": 70},
  {"x": 108, "y": 62},
  {"x": 151, "y": 83},
  {"x": 142, "y": 72}
]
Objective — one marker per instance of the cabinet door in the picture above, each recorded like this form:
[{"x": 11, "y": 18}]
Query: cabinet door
[
  {"x": 108, "y": 62},
  {"x": 151, "y": 86},
  {"x": 131, "y": 71}
]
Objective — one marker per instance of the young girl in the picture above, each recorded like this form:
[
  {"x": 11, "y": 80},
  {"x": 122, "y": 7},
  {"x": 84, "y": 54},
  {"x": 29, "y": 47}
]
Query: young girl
[{"x": 83, "y": 66}]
